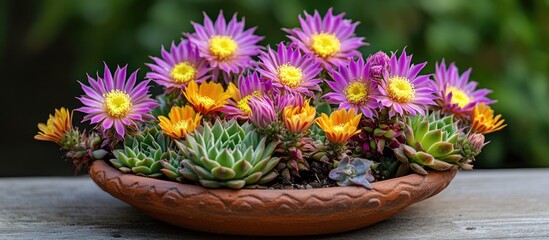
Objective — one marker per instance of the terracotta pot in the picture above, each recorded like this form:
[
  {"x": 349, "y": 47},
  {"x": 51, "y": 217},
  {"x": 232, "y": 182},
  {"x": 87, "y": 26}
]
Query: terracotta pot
[{"x": 268, "y": 212}]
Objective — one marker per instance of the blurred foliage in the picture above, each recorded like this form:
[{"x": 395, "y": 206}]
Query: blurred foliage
[{"x": 48, "y": 45}]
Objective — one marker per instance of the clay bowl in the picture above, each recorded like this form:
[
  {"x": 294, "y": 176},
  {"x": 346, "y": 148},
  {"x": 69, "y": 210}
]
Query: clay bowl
[{"x": 268, "y": 212}]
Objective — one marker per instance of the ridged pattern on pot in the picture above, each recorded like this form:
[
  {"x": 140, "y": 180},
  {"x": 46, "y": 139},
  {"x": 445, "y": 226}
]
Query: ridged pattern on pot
[{"x": 268, "y": 212}]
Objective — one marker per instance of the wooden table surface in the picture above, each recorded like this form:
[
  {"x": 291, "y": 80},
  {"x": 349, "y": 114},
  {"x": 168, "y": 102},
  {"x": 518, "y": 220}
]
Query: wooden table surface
[{"x": 483, "y": 204}]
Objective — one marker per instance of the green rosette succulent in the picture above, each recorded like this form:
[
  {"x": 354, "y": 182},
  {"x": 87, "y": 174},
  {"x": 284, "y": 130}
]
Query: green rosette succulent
[
  {"x": 431, "y": 141},
  {"x": 143, "y": 152},
  {"x": 227, "y": 155}
]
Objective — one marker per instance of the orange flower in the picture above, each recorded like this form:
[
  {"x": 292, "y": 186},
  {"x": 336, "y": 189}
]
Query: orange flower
[
  {"x": 340, "y": 126},
  {"x": 56, "y": 127},
  {"x": 300, "y": 118},
  {"x": 484, "y": 121},
  {"x": 180, "y": 121},
  {"x": 207, "y": 98}
]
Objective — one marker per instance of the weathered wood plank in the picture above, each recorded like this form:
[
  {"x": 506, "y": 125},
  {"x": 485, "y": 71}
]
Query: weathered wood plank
[{"x": 484, "y": 204}]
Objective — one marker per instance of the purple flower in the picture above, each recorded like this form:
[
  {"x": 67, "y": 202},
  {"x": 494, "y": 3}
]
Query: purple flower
[
  {"x": 354, "y": 89},
  {"x": 403, "y": 91},
  {"x": 288, "y": 99},
  {"x": 113, "y": 102},
  {"x": 331, "y": 39},
  {"x": 263, "y": 112},
  {"x": 289, "y": 70},
  {"x": 456, "y": 94},
  {"x": 379, "y": 63},
  {"x": 248, "y": 86},
  {"x": 228, "y": 47},
  {"x": 178, "y": 67}
]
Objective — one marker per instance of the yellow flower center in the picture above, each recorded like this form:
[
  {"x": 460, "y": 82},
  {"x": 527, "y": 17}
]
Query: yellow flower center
[
  {"x": 401, "y": 90},
  {"x": 459, "y": 97},
  {"x": 244, "y": 106},
  {"x": 183, "y": 72},
  {"x": 325, "y": 44},
  {"x": 207, "y": 102},
  {"x": 243, "y": 103},
  {"x": 356, "y": 93},
  {"x": 290, "y": 75},
  {"x": 183, "y": 124},
  {"x": 339, "y": 128},
  {"x": 117, "y": 103},
  {"x": 223, "y": 47}
]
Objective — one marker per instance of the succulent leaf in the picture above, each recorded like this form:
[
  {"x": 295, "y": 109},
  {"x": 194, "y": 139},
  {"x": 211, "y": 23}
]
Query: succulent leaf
[
  {"x": 418, "y": 169},
  {"x": 235, "y": 184},
  {"x": 423, "y": 158},
  {"x": 208, "y": 164},
  {"x": 268, "y": 177},
  {"x": 440, "y": 149},
  {"x": 431, "y": 138},
  {"x": 188, "y": 171},
  {"x": 453, "y": 158},
  {"x": 169, "y": 168},
  {"x": 225, "y": 158},
  {"x": 223, "y": 173},
  {"x": 440, "y": 165},
  {"x": 241, "y": 168},
  {"x": 253, "y": 178}
]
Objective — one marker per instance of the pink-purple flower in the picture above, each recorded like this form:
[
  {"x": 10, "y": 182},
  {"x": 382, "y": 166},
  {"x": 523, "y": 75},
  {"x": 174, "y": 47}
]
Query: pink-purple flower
[
  {"x": 263, "y": 112},
  {"x": 249, "y": 85},
  {"x": 403, "y": 90},
  {"x": 456, "y": 94},
  {"x": 289, "y": 70},
  {"x": 288, "y": 99},
  {"x": 227, "y": 46},
  {"x": 114, "y": 102},
  {"x": 330, "y": 39},
  {"x": 178, "y": 67},
  {"x": 354, "y": 88}
]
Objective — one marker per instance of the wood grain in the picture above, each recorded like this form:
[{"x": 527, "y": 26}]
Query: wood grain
[{"x": 483, "y": 204}]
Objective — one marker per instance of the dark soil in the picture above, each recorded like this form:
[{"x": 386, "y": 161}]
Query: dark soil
[{"x": 316, "y": 177}]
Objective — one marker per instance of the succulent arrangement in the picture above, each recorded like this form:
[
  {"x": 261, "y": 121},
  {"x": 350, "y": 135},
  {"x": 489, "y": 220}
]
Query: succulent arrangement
[{"x": 235, "y": 114}]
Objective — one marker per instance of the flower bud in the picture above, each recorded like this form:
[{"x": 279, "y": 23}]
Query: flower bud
[
  {"x": 379, "y": 62},
  {"x": 476, "y": 142},
  {"x": 263, "y": 112}
]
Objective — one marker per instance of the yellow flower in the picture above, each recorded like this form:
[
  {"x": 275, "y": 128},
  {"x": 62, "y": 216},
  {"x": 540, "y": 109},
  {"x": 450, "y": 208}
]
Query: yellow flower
[
  {"x": 234, "y": 92},
  {"x": 180, "y": 121},
  {"x": 340, "y": 126},
  {"x": 207, "y": 98},
  {"x": 56, "y": 127},
  {"x": 298, "y": 119},
  {"x": 484, "y": 121}
]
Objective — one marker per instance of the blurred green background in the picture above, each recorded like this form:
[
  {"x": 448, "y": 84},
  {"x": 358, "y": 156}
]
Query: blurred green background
[{"x": 46, "y": 46}]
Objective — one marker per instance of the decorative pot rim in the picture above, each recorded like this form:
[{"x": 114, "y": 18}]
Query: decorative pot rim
[{"x": 268, "y": 211}]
